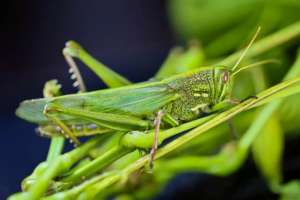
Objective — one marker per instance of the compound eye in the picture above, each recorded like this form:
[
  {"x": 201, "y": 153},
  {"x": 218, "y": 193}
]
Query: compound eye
[{"x": 225, "y": 77}]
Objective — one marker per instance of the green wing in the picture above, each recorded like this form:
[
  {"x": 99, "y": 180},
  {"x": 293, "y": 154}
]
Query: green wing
[{"x": 136, "y": 100}]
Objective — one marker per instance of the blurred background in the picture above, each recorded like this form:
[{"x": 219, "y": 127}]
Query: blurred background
[{"x": 133, "y": 38}]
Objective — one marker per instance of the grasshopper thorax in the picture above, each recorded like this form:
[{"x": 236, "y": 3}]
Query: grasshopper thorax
[{"x": 199, "y": 90}]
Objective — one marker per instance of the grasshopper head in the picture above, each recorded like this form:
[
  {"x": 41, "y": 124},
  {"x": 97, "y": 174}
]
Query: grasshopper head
[
  {"x": 222, "y": 83},
  {"x": 224, "y": 77}
]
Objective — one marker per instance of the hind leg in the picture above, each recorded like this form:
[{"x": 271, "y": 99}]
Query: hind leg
[{"x": 108, "y": 76}]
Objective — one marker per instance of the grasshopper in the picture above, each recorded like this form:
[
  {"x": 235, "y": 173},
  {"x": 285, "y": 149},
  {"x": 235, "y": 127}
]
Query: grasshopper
[{"x": 139, "y": 107}]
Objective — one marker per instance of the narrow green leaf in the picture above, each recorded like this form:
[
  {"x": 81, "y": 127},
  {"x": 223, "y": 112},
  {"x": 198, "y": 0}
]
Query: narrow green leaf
[
  {"x": 291, "y": 191},
  {"x": 267, "y": 151},
  {"x": 179, "y": 62}
]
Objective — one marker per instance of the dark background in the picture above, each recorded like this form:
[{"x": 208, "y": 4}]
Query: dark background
[{"x": 132, "y": 37}]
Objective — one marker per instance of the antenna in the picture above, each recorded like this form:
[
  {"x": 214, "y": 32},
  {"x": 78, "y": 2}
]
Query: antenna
[
  {"x": 256, "y": 64},
  {"x": 246, "y": 49}
]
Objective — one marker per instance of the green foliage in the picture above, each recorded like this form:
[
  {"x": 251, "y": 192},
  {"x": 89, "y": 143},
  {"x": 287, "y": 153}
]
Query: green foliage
[
  {"x": 115, "y": 159},
  {"x": 291, "y": 191}
]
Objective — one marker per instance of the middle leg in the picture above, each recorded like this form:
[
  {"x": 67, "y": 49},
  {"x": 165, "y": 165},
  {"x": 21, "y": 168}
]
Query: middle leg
[{"x": 157, "y": 123}]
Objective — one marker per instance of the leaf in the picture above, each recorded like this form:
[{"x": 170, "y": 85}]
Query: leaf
[
  {"x": 291, "y": 191},
  {"x": 179, "y": 62},
  {"x": 267, "y": 151}
]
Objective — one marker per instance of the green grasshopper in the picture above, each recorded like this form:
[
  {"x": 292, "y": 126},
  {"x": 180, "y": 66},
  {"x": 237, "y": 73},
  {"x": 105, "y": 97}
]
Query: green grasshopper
[{"x": 142, "y": 106}]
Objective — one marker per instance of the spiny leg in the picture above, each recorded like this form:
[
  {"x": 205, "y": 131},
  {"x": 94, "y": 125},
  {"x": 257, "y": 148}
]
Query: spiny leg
[
  {"x": 74, "y": 71},
  {"x": 64, "y": 128},
  {"x": 109, "y": 77},
  {"x": 157, "y": 123},
  {"x": 52, "y": 89},
  {"x": 111, "y": 121}
]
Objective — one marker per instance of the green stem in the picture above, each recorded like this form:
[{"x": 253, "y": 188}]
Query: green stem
[
  {"x": 56, "y": 147},
  {"x": 258, "y": 124},
  {"x": 56, "y": 167},
  {"x": 280, "y": 37},
  {"x": 75, "y": 191},
  {"x": 144, "y": 140},
  {"x": 265, "y": 116},
  {"x": 221, "y": 164},
  {"x": 93, "y": 191},
  {"x": 230, "y": 158},
  {"x": 227, "y": 161},
  {"x": 111, "y": 140},
  {"x": 218, "y": 119},
  {"x": 269, "y": 109},
  {"x": 224, "y": 116},
  {"x": 97, "y": 164}
]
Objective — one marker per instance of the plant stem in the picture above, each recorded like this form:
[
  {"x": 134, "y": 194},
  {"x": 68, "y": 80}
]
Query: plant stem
[
  {"x": 56, "y": 147},
  {"x": 280, "y": 37},
  {"x": 218, "y": 119},
  {"x": 223, "y": 165},
  {"x": 145, "y": 140},
  {"x": 74, "y": 192},
  {"x": 91, "y": 192},
  {"x": 97, "y": 164},
  {"x": 56, "y": 167},
  {"x": 222, "y": 117}
]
